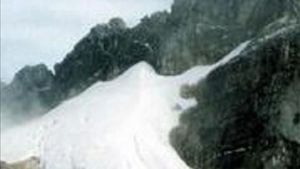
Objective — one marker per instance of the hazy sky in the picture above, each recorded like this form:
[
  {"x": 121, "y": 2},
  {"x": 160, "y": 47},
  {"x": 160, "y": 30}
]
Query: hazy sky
[{"x": 43, "y": 31}]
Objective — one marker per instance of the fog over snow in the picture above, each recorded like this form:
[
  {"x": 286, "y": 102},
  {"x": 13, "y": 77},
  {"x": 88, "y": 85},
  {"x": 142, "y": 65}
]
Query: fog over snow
[{"x": 35, "y": 31}]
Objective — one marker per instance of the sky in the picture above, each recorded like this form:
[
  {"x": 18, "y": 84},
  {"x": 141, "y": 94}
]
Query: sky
[{"x": 44, "y": 31}]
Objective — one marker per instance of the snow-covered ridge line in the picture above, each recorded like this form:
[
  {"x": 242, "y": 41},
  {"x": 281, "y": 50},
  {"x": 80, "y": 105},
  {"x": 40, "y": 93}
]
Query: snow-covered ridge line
[
  {"x": 199, "y": 72},
  {"x": 121, "y": 124}
]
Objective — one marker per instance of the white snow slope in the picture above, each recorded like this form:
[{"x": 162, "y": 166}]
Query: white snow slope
[{"x": 121, "y": 124}]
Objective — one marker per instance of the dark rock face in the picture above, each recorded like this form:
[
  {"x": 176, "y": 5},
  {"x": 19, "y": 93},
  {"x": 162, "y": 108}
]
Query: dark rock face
[
  {"x": 31, "y": 92},
  {"x": 241, "y": 13},
  {"x": 248, "y": 110},
  {"x": 206, "y": 30},
  {"x": 107, "y": 51}
]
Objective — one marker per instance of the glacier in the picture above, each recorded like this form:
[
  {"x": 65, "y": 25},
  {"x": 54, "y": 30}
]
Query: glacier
[{"x": 120, "y": 124}]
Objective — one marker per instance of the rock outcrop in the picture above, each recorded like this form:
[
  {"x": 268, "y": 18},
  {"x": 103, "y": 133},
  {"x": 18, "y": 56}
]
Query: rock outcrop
[
  {"x": 247, "y": 114},
  {"x": 31, "y": 163}
]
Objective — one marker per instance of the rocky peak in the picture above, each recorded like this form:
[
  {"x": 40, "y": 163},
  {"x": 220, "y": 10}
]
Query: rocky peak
[
  {"x": 108, "y": 50},
  {"x": 156, "y": 18},
  {"x": 34, "y": 77},
  {"x": 117, "y": 24}
]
